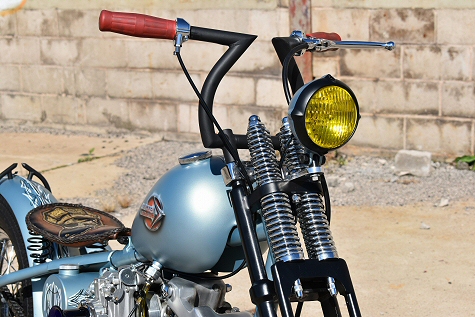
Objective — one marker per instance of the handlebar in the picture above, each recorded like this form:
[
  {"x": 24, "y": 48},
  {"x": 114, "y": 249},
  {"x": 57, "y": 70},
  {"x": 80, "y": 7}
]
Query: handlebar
[{"x": 140, "y": 25}]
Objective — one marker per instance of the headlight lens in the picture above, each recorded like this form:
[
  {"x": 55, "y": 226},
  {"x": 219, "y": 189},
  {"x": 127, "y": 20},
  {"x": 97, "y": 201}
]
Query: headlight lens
[{"x": 324, "y": 114}]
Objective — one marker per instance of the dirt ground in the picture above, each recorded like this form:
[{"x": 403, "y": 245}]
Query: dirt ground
[{"x": 404, "y": 261}]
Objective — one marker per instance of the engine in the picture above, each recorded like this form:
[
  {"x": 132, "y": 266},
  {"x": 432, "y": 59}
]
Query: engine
[{"x": 132, "y": 290}]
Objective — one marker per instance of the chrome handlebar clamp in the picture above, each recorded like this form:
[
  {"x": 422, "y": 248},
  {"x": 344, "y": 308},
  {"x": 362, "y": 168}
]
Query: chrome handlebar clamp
[{"x": 182, "y": 34}]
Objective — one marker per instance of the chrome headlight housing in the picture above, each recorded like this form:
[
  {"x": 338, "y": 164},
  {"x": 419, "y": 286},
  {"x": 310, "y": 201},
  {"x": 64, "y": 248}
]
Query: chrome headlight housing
[{"x": 324, "y": 114}]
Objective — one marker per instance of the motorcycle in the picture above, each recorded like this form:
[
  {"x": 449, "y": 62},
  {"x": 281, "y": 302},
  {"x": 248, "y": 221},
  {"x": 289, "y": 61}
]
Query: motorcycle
[{"x": 55, "y": 256}]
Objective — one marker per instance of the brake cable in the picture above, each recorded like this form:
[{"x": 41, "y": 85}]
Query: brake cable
[{"x": 285, "y": 69}]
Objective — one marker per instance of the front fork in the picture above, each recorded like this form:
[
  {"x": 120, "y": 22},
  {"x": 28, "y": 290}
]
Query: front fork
[{"x": 295, "y": 278}]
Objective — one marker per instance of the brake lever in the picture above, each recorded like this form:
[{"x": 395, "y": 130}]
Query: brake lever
[{"x": 322, "y": 45}]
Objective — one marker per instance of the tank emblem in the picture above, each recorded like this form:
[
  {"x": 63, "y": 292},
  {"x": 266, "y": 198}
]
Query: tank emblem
[{"x": 152, "y": 211}]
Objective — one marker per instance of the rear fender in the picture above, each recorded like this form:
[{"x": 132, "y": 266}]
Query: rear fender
[{"x": 24, "y": 194}]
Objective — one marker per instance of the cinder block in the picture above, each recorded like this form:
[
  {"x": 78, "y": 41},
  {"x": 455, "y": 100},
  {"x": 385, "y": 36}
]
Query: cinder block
[
  {"x": 59, "y": 52},
  {"x": 10, "y": 78},
  {"x": 20, "y": 51},
  {"x": 403, "y": 25},
  {"x": 222, "y": 115},
  {"x": 63, "y": 109},
  {"x": 370, "y": 63},
  {"x": 417, "y": 163},
  {"x": 187, "y": 118},
  {"x": 379, "y": 132},
  {"x": 37, "y": 22},
  {"x": 325, "y": 65},
  {"x": 143, "y": 4},
  {"x": 395, "y": 97},
  {"x": 104, "y": 52},
  {"x": 197, "y": 56},
  {"x": 90, "y": 81},
  {"x": 235, "y": 90},
  {"x": 78, "y": 23},
  {"x": 224, "y": 19},
  {"x": 7, "y": 25},
  {"x": 458, "y": 99},
  {"x": 452, "y": 26},
  {"x": 407, "y": 97},
  {"x": 42, "y": 79},
  {"x": 174, "y": 86},
  {"x": 355, "y": 26},
  {"x": 260, "y": 58},
  {"x": 270, "y": 93},
  {"x": 147, "y": 53},
  {"x": 69, "y": 82},
  {"x": 129, "y": 84},
  {"x": 268, "y": 24},
  {"x": 153, "y": 116},
  {"x": 113, "y": 112},
  {"x": 443, "y": 137},
  {"x": 240, "y": 118},
  {"x": 21, "y": 107},
  {"x": 437, "y": 62}
]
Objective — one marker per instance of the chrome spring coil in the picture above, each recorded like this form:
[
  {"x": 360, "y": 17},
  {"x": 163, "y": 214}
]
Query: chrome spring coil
[
  {"x": 310, "y": 208},
  {"x": 40, "y": 248},
  {"x": 262, "y": 152},
  {"x": 276, "y": 210},
  {"x": 315, "y": 228},
  {"x": 291, "y": 149}
]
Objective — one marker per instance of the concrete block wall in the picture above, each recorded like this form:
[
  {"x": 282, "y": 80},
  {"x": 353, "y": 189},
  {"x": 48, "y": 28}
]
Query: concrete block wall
[
  {"x": 420, "y": 97},
  {"x": 57, "y": 68}
]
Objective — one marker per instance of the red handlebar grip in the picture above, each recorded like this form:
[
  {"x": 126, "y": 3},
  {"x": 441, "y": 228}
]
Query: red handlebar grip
[
  {"x": 138, "y": 25},
  {"x": 325, "y": 35}
]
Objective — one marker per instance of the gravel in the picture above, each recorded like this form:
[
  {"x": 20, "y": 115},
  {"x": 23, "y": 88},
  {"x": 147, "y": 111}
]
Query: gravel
[{"x": 352, "y": 180}]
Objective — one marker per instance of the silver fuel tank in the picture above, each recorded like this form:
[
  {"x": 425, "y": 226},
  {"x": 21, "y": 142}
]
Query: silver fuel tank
[{"x": 187, "y": 218}]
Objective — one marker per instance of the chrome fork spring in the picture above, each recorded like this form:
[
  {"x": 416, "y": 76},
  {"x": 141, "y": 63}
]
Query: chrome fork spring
[
  {"x": 291, "y": 149},
  {"x": 310, "y": 208},
  {"x": 276, "y": 210},
  {"x": 262, "y": 152},
  {"x": 40, "y": 248},
  {"x": 315, "y": 228}
]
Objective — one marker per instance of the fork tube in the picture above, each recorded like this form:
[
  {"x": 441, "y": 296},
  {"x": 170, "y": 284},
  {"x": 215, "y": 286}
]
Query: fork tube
[{"x": 262, "y": 290}]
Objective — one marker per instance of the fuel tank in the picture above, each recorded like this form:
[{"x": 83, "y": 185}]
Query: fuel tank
[{"x": 186, "y": 219}]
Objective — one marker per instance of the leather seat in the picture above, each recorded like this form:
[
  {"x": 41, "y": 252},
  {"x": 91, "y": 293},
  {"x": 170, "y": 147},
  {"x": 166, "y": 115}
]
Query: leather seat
[{"x": 74, "y": 225}]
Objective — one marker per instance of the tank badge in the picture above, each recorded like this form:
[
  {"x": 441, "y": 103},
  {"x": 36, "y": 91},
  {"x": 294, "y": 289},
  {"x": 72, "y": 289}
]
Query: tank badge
[{"x": 152, "y": 211}]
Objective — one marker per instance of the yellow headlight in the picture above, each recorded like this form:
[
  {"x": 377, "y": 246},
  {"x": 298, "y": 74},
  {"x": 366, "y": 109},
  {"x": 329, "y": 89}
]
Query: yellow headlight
[
  {"x": 331, "y": 117},
  {"x": 324, "y": 114}
]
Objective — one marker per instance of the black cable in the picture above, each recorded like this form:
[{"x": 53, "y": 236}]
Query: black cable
[
  {"x": 202, "y": 277},
  {"x": 326, "y": 196},
  {"x": 298, "y": 311},
  {"x": 285, "y": 69},
  {"x": 133, "y": 310},
  {"x": 231, "y": 149}
]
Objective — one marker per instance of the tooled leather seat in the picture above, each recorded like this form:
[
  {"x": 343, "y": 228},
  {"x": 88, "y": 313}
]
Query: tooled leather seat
[{"x": 74, "y": 225}]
